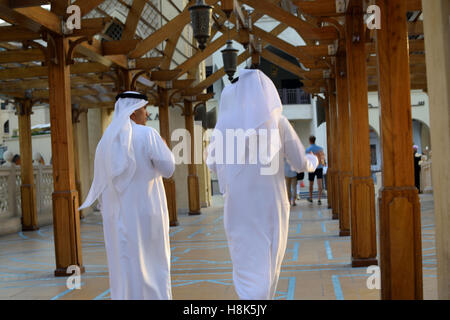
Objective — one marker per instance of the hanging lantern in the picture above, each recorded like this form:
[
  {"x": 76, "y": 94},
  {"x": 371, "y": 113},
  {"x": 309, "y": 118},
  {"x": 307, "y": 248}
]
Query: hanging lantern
[
  {"x": 229, "y": 55},
  {"x": 200, "y": 18}
]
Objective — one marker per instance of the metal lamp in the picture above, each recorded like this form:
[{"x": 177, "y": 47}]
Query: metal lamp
[
  {"x": 200, "y": 18},
  {"x": 229, "y": 55}
]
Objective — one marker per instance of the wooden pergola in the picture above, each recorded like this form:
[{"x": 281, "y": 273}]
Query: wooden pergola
[{"x": 341, "y": 61}]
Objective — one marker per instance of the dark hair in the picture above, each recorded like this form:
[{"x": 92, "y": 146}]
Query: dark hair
[
  {"x": 312, "y": 139},
  {"x": 15, "y": 158}
]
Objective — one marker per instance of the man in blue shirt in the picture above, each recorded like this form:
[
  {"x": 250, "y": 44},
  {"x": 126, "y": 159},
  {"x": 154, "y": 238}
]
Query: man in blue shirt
[{"x": 318, "y": 151}]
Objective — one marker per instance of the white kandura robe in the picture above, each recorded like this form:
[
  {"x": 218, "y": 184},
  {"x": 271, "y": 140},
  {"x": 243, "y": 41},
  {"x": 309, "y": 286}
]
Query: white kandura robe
[
  {"x": 256, "y": 207},
  {"x": 136, "y": 223}
]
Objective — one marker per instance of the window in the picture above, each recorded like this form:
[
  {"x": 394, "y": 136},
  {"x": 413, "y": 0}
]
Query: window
[{"x": 6, "y": 127}]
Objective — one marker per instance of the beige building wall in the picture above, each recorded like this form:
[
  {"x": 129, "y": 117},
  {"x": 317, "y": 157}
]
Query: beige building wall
[{"x": 437, "y": 46}]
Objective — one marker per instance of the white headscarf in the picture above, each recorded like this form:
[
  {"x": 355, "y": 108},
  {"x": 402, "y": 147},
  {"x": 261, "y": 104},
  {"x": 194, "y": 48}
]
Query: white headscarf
[
  {"x": 115, "y": 162},
  {"x": 8, "y": 156},
  {"x": 252, "y": 102}
]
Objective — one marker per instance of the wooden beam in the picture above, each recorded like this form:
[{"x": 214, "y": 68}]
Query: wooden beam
[
  {"x": 400, "y": 226},
  {"x": 91, "y": 27},
  {"x": 31, "y": 72},
  {"x": 22, "y": 85},
  {"x": 66, "y": 218},
  {"x": 133, "y": 17},
  {"x": 164, "y": 32},
  {"x": 192, "y": 179},
  {"x": 118, "y": 46},
  {"x": 333, "y": 171},
  {"x": 14, "y": 4},
  {"x": 27, "y": 187},
  {"x": 87, "y": 6},
  {"x": 344, "y": 158},
  {"x": 164, "y": 75},
  {"x": 363, "y": 224},
  {"x": 214, "y": 77},
  {"x": 319, "y": 8},
  {"x": 148, "y": 63},
  {"x": 18, "y": 56},
  {"x": 164, "y": 125},
  {"x": 282, "y": 63},
  {"x": 43, "y": 17},
  {"x": 197, "y": 58},
  {"x": 17, "y": 33},
  {"x": 306, "y": 31}
]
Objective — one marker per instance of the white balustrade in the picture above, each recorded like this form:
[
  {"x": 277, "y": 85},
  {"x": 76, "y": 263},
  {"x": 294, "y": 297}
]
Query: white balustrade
[{"x": 10, "y": 201}]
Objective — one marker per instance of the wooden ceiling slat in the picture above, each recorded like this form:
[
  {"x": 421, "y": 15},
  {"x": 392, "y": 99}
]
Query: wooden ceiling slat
[{"x": 31, "y": 72}]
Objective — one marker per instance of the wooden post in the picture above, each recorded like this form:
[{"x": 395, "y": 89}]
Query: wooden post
[
  {"x": 66, "y": 218},
  {"x": 344, "y": 146},
  {"x": 362, "y": 195},
  {"x": 326, "y": 105},
  {"x": 169, "y": 184},
  {"x": 400, "y": 230},
  {"x": 193, "y": 183},
  {"x": 127, "y": 79},
  {"x": 76, "y": 112},
  {"x": 27, "y": 187},
  {"x": 437, "y": 49},
  {"x": 333, "y": 149}
]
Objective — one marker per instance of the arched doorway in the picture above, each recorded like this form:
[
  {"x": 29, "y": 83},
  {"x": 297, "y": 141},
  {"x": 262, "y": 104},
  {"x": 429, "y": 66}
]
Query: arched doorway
[{"x": 421, "y": 136}]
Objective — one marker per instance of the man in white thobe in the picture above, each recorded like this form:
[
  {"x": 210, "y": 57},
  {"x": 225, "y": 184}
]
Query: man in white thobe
[
  {"x": 256, "y": 207},
  {"x": 130, "y": 161}
]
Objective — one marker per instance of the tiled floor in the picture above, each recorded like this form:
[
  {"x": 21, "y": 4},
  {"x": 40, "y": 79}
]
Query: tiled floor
[{"x": 316, "y": 264}]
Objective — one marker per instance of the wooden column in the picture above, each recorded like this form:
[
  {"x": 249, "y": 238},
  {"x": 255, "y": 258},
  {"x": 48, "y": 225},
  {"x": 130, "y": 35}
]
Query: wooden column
[
  {"x": 27, "y": 187},
  {"x": 169, "y": 184},
  {"x": 76, "y": 112},
  {"x": 326, "y": 105},
  {"x": 66, "y": 218},
  {"x": 333, "y": 148},
  {"x": 400, "y": 230},
  {"x": 127, "y": 79},
  {"x": 193, "y": 183},
  {"x": 437, "y": 47},
  {"x": 362, "y": 194},
  {"x": 344, "y": 157}
]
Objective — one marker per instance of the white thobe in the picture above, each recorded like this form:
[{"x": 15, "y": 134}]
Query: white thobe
[
  {"x": 136, "y": 223},
  {"x": 256, "y": 218}
]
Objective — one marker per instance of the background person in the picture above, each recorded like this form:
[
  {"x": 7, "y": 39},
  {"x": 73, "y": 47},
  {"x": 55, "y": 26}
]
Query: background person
[{"x": 318, "y": 152}]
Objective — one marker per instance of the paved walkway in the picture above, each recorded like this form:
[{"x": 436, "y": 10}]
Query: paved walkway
[{"x": 316, "y": 264}]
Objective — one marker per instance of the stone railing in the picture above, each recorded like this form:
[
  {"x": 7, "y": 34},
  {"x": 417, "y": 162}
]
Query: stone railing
[
  {"x": 426, "y": 185},
  {"x": 10, "y": 204}
]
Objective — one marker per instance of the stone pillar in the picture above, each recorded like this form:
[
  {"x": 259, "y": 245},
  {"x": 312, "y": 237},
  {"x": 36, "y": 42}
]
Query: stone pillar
[
  {"x": 169, "y": 184},
  {"x": 437, "y": 47},
  {"x": 66, "y": 218},
  {"x": 193, "y": 183},
  {"x": 362, "y": 194},
  {"x": 27, "y": 187},
  {"x": 344, "y": 145}
]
